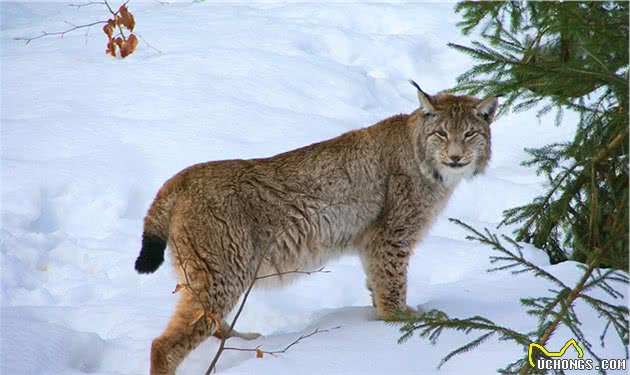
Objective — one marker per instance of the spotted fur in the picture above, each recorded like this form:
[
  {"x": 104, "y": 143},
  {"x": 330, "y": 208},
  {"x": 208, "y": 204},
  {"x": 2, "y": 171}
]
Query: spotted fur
[{"x": 373, "y": 192}]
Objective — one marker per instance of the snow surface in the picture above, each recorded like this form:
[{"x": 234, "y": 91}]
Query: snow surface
[{"x": 87, "y": 141}]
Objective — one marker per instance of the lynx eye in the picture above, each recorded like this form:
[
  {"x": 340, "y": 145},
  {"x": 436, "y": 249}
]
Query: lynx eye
[
  {"x": 470, "y": 134},
  {"x": 440, "y": 133}
]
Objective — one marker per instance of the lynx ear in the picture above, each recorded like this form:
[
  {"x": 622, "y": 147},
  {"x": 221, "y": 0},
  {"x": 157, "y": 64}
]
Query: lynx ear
[
  {"x": 487, "y": 108},
  {"x": 426, "y": 104}
]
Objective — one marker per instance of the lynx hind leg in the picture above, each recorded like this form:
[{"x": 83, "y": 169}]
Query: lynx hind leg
[
  {"x": 205, "y": 300},
  {"x": 183, "y": 333}
]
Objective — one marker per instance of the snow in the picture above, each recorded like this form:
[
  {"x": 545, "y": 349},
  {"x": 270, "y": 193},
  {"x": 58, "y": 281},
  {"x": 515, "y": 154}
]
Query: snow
[{"x": 87, "y": 140}]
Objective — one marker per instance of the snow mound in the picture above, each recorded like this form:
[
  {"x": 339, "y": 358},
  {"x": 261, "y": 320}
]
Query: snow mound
[
  {"x": 39, "y": 347},
  {"x": 88, "y": 140}
]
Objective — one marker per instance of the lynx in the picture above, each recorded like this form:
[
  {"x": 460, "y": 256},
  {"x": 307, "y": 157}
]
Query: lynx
[{"x": 373, "y": 192}]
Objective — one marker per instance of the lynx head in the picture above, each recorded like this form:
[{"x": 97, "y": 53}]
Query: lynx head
[{"x": 454, "y": 134}]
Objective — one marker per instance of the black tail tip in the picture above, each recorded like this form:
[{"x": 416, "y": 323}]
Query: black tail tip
[{"x": 152, "y": 253}]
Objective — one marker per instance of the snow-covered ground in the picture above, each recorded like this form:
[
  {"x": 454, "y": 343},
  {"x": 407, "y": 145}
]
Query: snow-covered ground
[{"x": 87, "y": 141}]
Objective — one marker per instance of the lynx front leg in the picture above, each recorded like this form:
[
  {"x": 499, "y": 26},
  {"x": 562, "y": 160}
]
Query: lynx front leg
[
  {"x": 388, "y": 245},
  {"x": 387, "y": 277}
]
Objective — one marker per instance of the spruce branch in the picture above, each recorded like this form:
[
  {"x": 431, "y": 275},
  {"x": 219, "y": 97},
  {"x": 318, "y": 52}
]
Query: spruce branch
[
  {"x": 431, "y": 325},
  {"x": 515, "y": 260},
  {"x": 566, "y": 303},
  {"x": 550, "y": 311}
]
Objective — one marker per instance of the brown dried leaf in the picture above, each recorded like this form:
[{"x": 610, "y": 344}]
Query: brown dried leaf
[
  {"x": 259, "y": 353},
  {"x": 126, "y": 18},
  {"x": 109, "y": 31},
  {"x": 129, "y": 46},
  {"x": 120, "y": 42},
  {"x": 111, "y": 48}
]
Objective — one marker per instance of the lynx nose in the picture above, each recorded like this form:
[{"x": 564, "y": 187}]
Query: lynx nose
[{"x": 455, "y": 158}]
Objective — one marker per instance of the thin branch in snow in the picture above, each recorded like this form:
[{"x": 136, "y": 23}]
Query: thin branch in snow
[
  {"x": 120, "y": 45},
  {"x": 276, "y": 352},
  {"x": 297, "y": 270},
  {"x": 79, "y": 6},
  {"x": 59, "y": 33},
  {"x": 148, "y": 44},
  {"x": 224, "y": 338},
  {"x": 75, "y": 27}
]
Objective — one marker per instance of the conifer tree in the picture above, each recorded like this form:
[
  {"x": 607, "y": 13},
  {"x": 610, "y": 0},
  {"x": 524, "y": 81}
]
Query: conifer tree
[
  {"x": 563, "y": 56},
  {"x": 555, "y": 56}
]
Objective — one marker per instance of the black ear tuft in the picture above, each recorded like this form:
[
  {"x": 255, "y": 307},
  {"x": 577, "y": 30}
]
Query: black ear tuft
[
  {"x": 414, "y": 84},
  {"x": 425, "y": 100}
]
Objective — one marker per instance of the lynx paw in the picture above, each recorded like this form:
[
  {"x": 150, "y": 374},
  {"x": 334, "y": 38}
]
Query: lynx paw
[{"x": 248, "y": 335}]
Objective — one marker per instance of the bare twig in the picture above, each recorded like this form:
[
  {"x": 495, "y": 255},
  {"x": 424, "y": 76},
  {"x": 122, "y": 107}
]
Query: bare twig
[
  {"x": 112, "y": 10},
  {"x": 122, "y": 34},
  {"x": 276, "y": 352},
  {"x": 183, "y": 264},
  {"x": 77, "y": 27},
  {"x": 60, "y": 33},
  {"x": 147, "y": 43},
  {"x": 79, "y": 6},
  {"x": 87, "y": 32},
  {"x": 224, "y": 338},
  {"x": 297, "y": 270}
]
